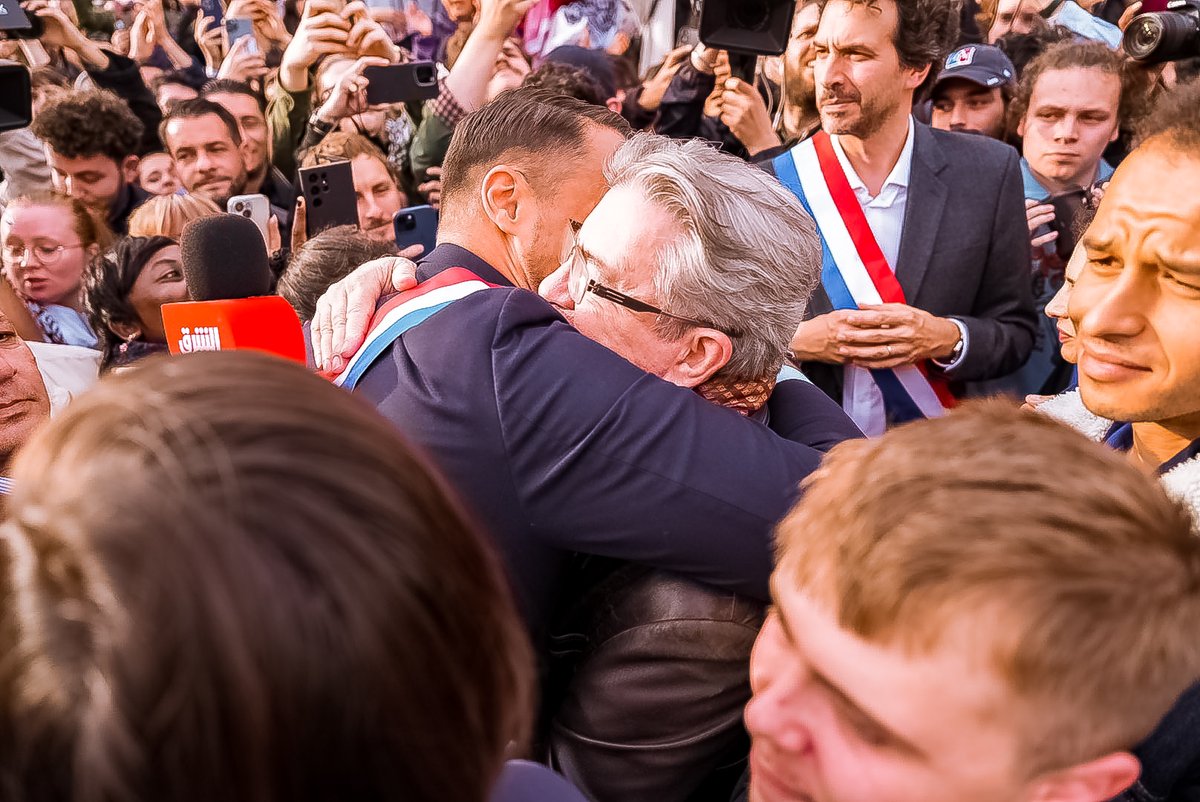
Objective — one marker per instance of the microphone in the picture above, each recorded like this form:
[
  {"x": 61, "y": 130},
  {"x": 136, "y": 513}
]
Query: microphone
[{"x": 228, "y": 278}]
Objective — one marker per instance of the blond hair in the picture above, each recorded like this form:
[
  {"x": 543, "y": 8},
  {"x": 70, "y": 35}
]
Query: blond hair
[
  {"x": 166, "y": 215},
  {"x": 1081, "y": 575}
]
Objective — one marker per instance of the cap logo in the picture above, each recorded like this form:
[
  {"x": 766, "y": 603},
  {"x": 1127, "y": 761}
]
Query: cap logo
[{"x": 961, "y": 58}]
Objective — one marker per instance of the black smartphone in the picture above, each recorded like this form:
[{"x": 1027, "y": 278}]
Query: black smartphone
[
  {"x": 329, "y": 198},
  {"x": 215, "y": 10},
  {"x": 416, "y": 225},
  {"x": 1067, "y": 206},
  {"x": 17, "y": 23},
  {"x": 401, "y": 83}
]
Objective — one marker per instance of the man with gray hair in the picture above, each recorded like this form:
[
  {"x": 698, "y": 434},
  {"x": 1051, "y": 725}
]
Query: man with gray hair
[{"x": 563, "y": 448}]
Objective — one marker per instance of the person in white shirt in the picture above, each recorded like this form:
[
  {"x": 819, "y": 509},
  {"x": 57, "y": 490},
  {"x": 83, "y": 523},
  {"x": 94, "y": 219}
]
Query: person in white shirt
[{"x": 956, "y": 251}]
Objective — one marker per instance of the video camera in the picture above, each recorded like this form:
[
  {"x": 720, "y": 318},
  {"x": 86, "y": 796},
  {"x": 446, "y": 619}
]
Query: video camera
[{"x": 1160, "y": 36}]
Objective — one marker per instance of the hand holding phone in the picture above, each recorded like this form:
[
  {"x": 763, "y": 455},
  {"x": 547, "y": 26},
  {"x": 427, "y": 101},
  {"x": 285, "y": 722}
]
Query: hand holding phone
[
  {"x": 329, "y": 198},
  {"x": 239, "y": 28},
  {"x": 401, "y": 83}
]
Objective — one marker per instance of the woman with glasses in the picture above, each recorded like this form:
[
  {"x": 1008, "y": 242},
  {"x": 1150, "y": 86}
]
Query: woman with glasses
[{"x": 46, "y": 242}]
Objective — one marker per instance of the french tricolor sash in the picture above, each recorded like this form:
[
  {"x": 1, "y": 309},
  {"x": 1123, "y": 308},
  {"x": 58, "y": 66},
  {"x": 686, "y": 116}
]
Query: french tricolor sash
[
  {"x": 405, "y": 311},
  {"x": 854, "y": 271}
]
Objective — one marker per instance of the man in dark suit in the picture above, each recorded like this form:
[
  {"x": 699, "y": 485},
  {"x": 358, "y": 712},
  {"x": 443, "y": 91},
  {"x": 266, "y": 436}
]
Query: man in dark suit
[
  {"x": 943, "y": 213},
  {"x": 544, "y": 412}
]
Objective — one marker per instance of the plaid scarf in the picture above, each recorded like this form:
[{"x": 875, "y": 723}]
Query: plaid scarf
[{"x": 744, "y": 397}]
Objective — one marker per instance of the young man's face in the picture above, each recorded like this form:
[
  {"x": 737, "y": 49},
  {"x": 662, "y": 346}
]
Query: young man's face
[
  {"x": 859, "y": 79},
  {"x": 207, "y": 159},
  {"x": 962, "y": 105},
  {"x": 1136, "y": 305},
  {"x": 837, "y": 719},
  {"x": 95, "y": 180},
  {"x": 378, "y": 197},
  {"x": 1072, "y": 117}
]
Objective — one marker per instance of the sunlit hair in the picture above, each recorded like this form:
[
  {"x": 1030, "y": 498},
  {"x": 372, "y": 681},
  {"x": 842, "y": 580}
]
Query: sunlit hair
[
  {"x": 166, "y": 215},
  {"x": 85, "y": 225},
  {"x": 1055, "y": 554},
  {"x": 228, "y": 579},
  {"x": 746, "y": 258}
]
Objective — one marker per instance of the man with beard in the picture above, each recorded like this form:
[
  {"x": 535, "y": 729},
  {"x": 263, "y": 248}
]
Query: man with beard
[
  {"x": 376, "y": 190},
  {"x": 91, "y": 140},
  {"x": 926, "y": 251},
  {"x": 203, "y": 139}
]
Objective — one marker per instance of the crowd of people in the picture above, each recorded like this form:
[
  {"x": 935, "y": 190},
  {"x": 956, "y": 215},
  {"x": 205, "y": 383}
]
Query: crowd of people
[{"x": 821, "y": 426}]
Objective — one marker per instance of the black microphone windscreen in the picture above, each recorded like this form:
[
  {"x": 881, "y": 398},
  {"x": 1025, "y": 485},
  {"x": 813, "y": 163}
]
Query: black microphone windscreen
[{"x": 224, "y": 259}]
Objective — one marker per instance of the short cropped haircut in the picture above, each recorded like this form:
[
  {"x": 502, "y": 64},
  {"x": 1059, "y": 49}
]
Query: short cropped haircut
[
  {"x": 1175, "y": 118},
  {"x": 1072, "y": 54},
  {"x": 926, "y": 32},
  {"x": 1086, "y": 574},
  {"x": 324, "y": 259},
  {"x": 536, "y": 128},
  {"x": 195, "y": 108},
  {"x": 747, "y": 256},
  {"x": 90, "y": 122},
  {"x": 250, "y": 588}
]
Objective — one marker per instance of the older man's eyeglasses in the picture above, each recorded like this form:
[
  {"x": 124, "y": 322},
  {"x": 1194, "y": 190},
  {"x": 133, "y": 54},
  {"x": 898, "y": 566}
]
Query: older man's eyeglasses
[{"x": 580, "y": 282}]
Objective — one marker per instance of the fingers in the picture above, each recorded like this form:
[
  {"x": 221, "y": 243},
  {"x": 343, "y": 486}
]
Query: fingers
[
  {"x": 274, "y": 239},
  {"x": 364, "y": 287},
  {"x": 1039, "y": 215},
  {"x": 321, "y": 332},
  {"x": 1035, "y": 401},
  {"x": 1045, "y": 239},
  {"x": 849, "y": 335},
  {"x": 404, "y": 276},
  {"x": 299, "y": 224}
]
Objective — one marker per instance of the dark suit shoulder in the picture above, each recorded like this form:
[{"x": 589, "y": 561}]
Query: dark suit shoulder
[{"x": 973, "y": 151}]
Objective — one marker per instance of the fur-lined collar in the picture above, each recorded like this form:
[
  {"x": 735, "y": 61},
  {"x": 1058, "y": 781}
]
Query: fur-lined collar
[{"x": 1181, "y": 482}]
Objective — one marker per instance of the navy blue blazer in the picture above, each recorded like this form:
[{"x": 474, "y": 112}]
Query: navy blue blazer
[{"x": 559, "y": 446}]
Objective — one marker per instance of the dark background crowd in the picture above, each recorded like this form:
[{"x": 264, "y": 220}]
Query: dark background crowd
[{"x": 663, "y": 400}]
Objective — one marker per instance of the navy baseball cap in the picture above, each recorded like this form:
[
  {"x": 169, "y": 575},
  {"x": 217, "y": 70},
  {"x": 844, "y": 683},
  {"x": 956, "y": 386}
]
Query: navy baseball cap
[{"x": 985, "y": 65}]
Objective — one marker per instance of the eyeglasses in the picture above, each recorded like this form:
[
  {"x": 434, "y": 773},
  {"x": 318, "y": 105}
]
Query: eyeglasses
[
  {"x": 580, "y": 283},
  {"x": 46, "y": 253}
]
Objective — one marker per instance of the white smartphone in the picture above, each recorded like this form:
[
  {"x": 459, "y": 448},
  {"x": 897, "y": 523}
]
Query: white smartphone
[{"x": 256, "y": 208}]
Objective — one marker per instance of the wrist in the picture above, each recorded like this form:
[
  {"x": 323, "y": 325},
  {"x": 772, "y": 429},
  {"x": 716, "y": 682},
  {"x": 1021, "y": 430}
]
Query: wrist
[{"x": 950, "y": 342}]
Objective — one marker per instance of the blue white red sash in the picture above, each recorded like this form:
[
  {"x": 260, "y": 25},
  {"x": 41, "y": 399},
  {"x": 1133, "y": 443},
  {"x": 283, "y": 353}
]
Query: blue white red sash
[
  {"x": 405, "y": 311},
  {"x": 854, "y": 270}
]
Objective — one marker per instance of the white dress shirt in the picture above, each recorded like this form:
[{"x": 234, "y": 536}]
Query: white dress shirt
[{"x": 885, "y": 214}]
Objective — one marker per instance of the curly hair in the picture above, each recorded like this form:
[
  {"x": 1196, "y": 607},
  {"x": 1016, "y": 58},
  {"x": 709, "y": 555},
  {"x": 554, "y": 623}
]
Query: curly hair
[
  {"x": 925, "y": 34},
  {"x": 89, "y": 123},
  {"x": 563, "y": 79},
  {"x": 107, "y": 282},
  {"x": 1175, "y": 117},
  {"x": 1067, "y": 55}
]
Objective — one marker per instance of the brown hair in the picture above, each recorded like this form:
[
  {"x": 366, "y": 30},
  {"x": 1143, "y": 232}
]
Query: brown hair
[
  {"x": 229, "y": 579},
  {"x": 925, "y": 33},
  {"x": 166, "y": 215},
  {"x": 1073, "y": 54},
  {"x": 341, "y": 146},
  {"x": 1175, "y": 118},
  {"x": 89, "y": 230},
  {"x": 531, "y": 125},
  {"x": 89, "y": 123},
  {"x": 1087, "y": 574},
  {"x": 324, "y": 259}
]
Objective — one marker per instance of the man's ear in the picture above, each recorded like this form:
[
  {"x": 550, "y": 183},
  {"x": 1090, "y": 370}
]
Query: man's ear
[
  {"x": 129, "y": 169},
  {"x": 702, "y": 352},
  {"x": 916, "y": 77},
  {"x": 500, "y": 194},
  {"x": 1095, "y": 781}
]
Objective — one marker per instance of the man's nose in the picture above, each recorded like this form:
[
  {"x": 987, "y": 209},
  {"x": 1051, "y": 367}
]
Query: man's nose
[
  {"x": 554, "y": 288},
  {"x": 958, "y": 116},
  {"x": 1066, "y": 129}
]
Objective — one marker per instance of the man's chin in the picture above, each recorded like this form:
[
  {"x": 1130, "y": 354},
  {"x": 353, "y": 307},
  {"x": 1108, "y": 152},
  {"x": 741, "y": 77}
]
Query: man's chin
[{"x": 1116, "y": 402}]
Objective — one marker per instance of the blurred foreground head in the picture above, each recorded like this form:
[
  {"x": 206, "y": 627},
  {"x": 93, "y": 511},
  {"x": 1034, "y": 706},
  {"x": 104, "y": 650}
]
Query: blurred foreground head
[
  {"x": 226, "y": 579},
  {"x": 986, "y": 606}
]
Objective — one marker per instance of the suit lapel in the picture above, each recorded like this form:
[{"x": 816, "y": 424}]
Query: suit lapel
[{"x": 923, "y": 214}]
